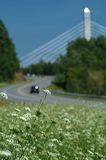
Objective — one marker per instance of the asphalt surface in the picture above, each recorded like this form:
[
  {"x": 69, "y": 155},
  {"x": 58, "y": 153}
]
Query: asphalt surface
[{"x": 21, "y": 93}]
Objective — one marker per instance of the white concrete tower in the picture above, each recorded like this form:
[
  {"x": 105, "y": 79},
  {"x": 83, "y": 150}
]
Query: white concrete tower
[{"x": 87, "y": 24}]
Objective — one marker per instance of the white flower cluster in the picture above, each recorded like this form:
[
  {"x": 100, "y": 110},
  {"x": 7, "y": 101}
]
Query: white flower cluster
[
  {"x": 46, "y": 91},
  {"x": 5, "y": 153},
  {"x": 4, "y": 95}
]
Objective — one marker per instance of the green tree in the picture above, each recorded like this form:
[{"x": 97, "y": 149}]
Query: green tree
[
  {"x": 83, "y": 68},
  {"x": 9, "y": 62}
]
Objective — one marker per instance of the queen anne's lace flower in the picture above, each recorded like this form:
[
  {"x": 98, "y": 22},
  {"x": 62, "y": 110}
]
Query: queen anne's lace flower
[
  {"x": 4, "y": 95},
  {"x": 5, "y": 153},
  {"x": 46, "y": 91}
]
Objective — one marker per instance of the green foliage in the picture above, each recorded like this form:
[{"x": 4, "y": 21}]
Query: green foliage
[
  {"x": 84, "y": 66},
  {"x": 9, "y": 63},
  {"x": 41, "y": 68},
  {"x": 58, "y": 133},
  {"x": 55, "y": 87}
]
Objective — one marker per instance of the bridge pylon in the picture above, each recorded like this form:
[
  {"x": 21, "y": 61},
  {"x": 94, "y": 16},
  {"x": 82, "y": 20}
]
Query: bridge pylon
[{"x": 87, "y": 24}]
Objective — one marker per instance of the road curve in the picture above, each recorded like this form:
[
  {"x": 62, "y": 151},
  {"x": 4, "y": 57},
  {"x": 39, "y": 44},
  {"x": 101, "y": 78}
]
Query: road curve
[{"x": 20, "y": 93}]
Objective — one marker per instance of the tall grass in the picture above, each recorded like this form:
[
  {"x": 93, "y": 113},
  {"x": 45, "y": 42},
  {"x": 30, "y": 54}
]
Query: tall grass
[{"x": 57, "y": 133}]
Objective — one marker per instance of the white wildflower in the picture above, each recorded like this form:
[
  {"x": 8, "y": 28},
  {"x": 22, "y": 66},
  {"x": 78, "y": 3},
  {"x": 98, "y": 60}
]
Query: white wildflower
[
  {"x": 6, "y": 153},
  {"x": 26, "y": 117},
  {"x": 27, "y": 109},
  {"x": 90, "y": 152},
  {"x": 54, "y": 140},
  {"x": 23, "y": 118},
  {"x": 53, "y": 154},
  {"x": 10, "y": 141},
  {"x": 4, "y": 95},
  {"x": 46, "y": 91},
  {"x": 17, "y": 109},
  {"x": 14, "y": 114}
]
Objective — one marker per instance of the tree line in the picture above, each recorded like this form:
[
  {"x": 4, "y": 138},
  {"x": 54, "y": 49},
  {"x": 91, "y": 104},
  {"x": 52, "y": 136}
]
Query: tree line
[
  {"x": 9, "y": 63},
  {"x": 83, "y": 68},
  {"x": 41, "y": 68}
]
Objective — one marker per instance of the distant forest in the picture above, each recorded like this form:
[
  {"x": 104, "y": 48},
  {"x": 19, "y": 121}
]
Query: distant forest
[{"x": 81, "y": 70}]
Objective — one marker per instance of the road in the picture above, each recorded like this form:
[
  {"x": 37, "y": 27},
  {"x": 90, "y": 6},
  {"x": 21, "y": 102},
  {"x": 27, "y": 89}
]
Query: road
[{"x": 20, "y": 93}]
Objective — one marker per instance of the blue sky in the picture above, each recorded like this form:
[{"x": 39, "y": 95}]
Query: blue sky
[{"x": 31, "y": 23}]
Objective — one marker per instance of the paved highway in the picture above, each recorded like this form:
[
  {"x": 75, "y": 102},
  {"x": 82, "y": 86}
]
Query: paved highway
[{"x": 20, "y": 93}]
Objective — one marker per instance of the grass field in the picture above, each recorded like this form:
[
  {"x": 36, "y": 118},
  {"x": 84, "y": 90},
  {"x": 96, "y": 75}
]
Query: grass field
[
  {"x": 3, "y": 84},
  {"x": 54, "y": 133}
]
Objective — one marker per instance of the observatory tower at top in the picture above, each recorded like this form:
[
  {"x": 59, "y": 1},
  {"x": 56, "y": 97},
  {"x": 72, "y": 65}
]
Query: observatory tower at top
[{"x": 87, "y": 24}]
